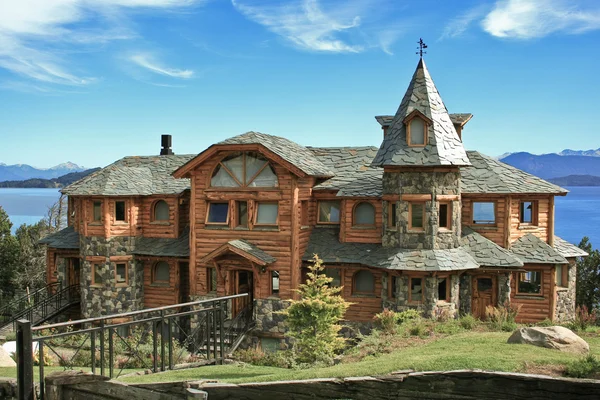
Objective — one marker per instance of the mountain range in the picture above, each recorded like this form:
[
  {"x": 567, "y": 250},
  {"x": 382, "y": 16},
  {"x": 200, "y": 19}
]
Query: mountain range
[{"x": 21, "y": 172}]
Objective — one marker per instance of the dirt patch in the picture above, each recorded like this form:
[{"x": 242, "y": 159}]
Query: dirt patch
[{"x": 548, "y": 369}]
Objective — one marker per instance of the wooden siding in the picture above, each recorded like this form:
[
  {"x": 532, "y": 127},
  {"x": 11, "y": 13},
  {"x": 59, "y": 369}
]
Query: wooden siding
[
  {"x": 160, "y": 229},
  {"x": 539, "y": 229},
  {"x": 349, "y": 232},
  {"x": 158, "y": 295},
  {"x": 276, "y": 242},
  {"x": 534, "y": 308},
  {"x": 496, "y": 233},
  {"x": 364, "y": 307}
]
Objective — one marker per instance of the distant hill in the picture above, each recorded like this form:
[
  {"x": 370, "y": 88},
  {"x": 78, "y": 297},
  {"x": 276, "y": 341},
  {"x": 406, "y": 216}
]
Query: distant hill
[
  {"x": 548, "y": 166},
  {"x": 576, "y": 180},
  {"x": 21, "y": 172},
  {"x": 59, "y": 182},
  {"x": 587, "y": 153}
]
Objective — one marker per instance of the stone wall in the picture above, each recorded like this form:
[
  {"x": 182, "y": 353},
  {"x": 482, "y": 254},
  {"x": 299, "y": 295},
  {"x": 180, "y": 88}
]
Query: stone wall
[
  {"x": 465, "y": 293},
  {"x": 504, "y": 288},
  {"x": 267, "y": 317},
  {"x": 565, "y": 297},
  {"x": 434, "y": 183},
  {"x": 108, "y": 298}
]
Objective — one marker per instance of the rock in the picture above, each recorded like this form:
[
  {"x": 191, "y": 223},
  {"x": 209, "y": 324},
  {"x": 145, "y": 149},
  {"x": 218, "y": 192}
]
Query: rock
[
  {"x": 553, "y": 337},
  {"x": 5, "y": 360}
]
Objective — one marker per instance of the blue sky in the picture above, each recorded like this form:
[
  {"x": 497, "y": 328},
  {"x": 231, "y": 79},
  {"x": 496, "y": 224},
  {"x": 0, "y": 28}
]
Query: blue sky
[{"x": 90, "y": 81}]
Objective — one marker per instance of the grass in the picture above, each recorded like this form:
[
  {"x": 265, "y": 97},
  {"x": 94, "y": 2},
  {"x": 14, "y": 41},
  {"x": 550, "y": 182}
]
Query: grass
[
  {"x": 468, "y": 350},
  {"x": 11, "y": 372}
]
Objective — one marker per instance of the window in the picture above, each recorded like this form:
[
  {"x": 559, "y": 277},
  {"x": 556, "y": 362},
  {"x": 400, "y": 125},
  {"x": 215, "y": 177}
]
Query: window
[
  {"x": 266, "y": 214},
  {"x": 97, "y": 277},
  {"x": 364, "y": 282},
  {"x": 97, "y": 211},
  {"x": 392, "y": 215},
  {"x": 484, "y": 213},
  {"x": 417, "y": 132},
  {"x": 334, "y": 274},
  {"x": 530, "y": 282},
  {"x": 242, "y": 214},
  {"x": 275, "y": 283},
  {"x": 364, "y": 214},
  {"x": 416, "y": 218},
  {"x": 445, "y": 216},
  {"x": 562, "y": 275},
  {"x": 121, "y": 274},
  {"x": 218, "y": 213},
  {"x": 161, "y": 272},
  {"x": 304, "y": 213},
  {"x": 415, "y": 293},
  {"x": 329, "y": 212},
  {"x": 211, "y": 280},
  {"x": 244, "y": 170},
  {"x": 443, "y": 289},
  {"x": 120, "y": 211},
  {"x": 528, "y": 212},
  {"x": 161, "y": 211}
]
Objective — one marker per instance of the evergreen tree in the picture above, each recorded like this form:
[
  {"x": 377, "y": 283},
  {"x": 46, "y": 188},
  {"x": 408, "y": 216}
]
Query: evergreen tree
[
  {"x": 9, "y": 256},
  {"x": 31, "y": 271},
  {"x": 588, "y": 276},
  {"x": 313, "y": 321}
]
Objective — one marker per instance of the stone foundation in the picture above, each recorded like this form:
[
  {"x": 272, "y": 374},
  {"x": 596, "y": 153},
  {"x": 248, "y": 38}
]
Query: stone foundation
[{"x": 267, "y": 315}]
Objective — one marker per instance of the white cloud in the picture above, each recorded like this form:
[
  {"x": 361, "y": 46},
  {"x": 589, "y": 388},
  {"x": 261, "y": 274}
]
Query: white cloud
[
  {"x": 306, "y": 24},
  {"x": 527, "y": 19},
  {"x": 150, "y": 63},
  {"x": 32, "y": 30},
  {"x": 457, "y": 26}
]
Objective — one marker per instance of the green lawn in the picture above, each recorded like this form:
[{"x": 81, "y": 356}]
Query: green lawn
[
  {"x": 482, "y": 350},
  {"x": 11, "y": 372}
]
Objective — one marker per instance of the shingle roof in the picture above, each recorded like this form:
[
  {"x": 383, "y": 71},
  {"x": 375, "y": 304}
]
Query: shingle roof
[
  {"x": 444, "y": 146},
  {"x": 325, "y": 243},
  {"x": 163, "y": 247},
  {"x": 567, "y": 249},
  {"x": 531, "y": 249},
  {"x": 487, "y": 175},
  {"x": 460, "y": 118},
  {"x": 486, "y": 252},
  {"x": 292, "y": 152},
  {"x": 457, "y": 118},
  {"x": 133, "y": 176},
  {"x": 354, "y": 177},
  {"x": 64, "y": 239},
  {"x": 252, "y": 249}
]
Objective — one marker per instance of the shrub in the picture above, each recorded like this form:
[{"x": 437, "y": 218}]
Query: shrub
[
  {"x": 442, "y": 314},
  {"x": 45, "y": 358},
  {"x": 313, "y": 321},
  {"x": 545, "y": 323},
  {"x": 583, "y": 319},
  {"x": 419, "y": 327},
  {"x": 408, "y": 315},
  {"x": 587, "y": 367},
  {"x": 468, "y": 322},
  {"x": 503, "y": 318},
  {"x": 387, "y": 321},
  {"x": 256, "y": 356},
  {"x": 451, "y": 327},
  {"x": 11, "y": 336}
]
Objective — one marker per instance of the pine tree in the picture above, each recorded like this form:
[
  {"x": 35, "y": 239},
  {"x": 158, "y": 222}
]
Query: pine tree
[
  {"x": 588, "y": 277},
  {"x": 9, "y": 256},
  {"x": 313, "y": 320}
]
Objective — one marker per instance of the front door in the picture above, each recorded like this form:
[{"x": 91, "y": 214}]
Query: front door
[
  {"x": 73, "y": 271},
  {"x": 484, "y": 294},
  {"x": 242, "y": 284}
]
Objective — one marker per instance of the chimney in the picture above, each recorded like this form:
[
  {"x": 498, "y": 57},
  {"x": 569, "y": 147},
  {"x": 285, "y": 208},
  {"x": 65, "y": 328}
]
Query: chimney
[{"x": 165, "y": 141}]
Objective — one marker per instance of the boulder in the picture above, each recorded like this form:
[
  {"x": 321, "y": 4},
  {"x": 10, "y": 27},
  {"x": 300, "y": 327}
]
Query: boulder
[
  {"x": 553, "y": 337},
  {"x": 5, "y": 360}
]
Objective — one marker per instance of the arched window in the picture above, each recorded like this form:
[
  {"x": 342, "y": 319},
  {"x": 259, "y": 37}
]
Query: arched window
[
  {"x": 160, "y": 273},
  {"x": 161, "y": 211},
  {"x": 246, "y": 169},
  {"x": 363, "y": 282},
  {"x": 364, "y": 214}
]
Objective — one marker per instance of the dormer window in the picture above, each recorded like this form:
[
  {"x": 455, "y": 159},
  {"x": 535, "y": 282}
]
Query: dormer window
[
  {"x": 244, "y": 170},
  {"x": 416, "y": 129}
]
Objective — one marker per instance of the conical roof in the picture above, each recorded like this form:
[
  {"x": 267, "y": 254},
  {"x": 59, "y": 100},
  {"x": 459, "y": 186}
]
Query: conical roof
[{"x": 443, "y": 144}]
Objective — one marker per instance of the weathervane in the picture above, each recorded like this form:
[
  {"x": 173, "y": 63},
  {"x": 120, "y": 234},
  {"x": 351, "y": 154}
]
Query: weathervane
[{"x": 422, "y": 46}]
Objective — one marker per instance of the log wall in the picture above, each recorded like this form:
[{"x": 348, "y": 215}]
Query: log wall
[
  {"x": 534, "y": 308},
  {"x": 350, "y": 232},
  {"x": 160, "y": 294}
]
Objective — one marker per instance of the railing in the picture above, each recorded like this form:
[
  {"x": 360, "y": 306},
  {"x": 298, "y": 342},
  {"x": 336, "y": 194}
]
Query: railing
[
  {"x": 238, "y": 326},
  {"x": 47, "y": 307},
  {"x": 155, "y": 339},
  {"x": 15, "y": 307}
]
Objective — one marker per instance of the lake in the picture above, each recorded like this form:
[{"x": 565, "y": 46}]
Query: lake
[{"x": 577, "y": 214}]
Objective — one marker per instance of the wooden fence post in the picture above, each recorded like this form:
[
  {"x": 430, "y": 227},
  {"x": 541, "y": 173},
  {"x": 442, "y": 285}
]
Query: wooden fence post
[{"x": 25, "y": 388}]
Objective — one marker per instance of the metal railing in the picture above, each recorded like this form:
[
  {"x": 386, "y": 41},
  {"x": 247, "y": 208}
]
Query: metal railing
[
  {"x": 16, "y": 307},
  {"x": 155, "y": 339},
  {"x": 48, "y": 307}
]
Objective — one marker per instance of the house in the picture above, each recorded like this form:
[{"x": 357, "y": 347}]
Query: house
[{"x": 418, "y": 222}]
